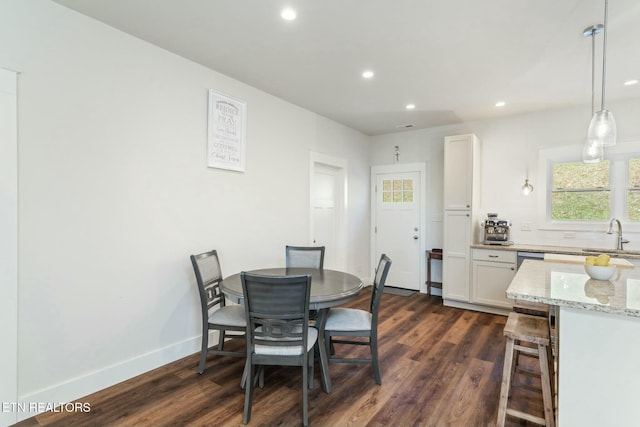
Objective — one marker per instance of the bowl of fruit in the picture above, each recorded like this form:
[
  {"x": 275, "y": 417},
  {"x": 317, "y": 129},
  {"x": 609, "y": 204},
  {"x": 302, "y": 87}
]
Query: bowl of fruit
[{"x": 598, "y": 268}]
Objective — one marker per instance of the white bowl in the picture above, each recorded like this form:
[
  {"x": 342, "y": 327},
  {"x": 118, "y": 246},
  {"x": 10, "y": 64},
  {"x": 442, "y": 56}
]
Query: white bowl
[{"x": 598, "y": 272}]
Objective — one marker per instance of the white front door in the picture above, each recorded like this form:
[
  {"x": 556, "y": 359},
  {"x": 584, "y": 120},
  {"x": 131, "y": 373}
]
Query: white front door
[
  {"x": 327, "y": 209},
  {"x": 398, "y": 222}
]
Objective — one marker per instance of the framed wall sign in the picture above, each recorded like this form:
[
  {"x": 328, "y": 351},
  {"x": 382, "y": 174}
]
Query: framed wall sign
[{"x": 227, "y": 124}]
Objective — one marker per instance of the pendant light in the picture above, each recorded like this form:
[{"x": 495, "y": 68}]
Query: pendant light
[
  {"x": 602, "y": 129},
  {"x": 527, "y": 188},
  {"x": 592, "y": 151}
]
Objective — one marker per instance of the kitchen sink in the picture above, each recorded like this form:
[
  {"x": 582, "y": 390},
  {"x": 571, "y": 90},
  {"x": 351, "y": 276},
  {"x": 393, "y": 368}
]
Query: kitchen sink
[{"x": 611, "y": 251}]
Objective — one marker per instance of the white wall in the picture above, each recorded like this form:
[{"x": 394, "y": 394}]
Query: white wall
[
  {"x": 510, "y": 147},
  {"x": 114, "y": 195},
  {"x": 8, "y": 243}
]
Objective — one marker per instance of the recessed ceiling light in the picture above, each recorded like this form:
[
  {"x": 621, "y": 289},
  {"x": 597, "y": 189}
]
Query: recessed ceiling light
[
  {"x": 288, "y": 14},
  {"x": 367, "y": 74},
  {"x": 500, "y": 104},
  {"x": 631, "y": 82},
  {"x": 411, "y": 106}
]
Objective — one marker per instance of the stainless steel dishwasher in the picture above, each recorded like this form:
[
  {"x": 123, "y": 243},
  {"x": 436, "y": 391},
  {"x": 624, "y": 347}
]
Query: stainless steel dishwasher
[{"x": 528, "y": 255}]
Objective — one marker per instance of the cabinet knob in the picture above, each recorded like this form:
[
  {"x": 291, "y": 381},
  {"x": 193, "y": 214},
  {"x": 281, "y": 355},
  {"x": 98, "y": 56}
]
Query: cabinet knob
[{"x": 513, "y": 268}]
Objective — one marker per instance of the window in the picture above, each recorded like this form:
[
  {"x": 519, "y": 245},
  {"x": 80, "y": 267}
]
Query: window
[
  {"x": 576, "y": 196},
  {"x": 397, "y": 191},
  {"x": 633, "y": 189},
  {"x": 580, "y": 191}
]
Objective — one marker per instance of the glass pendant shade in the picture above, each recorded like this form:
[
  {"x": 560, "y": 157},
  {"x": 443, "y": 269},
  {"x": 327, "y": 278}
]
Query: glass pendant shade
[
  {"x": 602, "y": 129},
  {"x": 527, "y": 188},
  {"x": 593, "y": 152}
]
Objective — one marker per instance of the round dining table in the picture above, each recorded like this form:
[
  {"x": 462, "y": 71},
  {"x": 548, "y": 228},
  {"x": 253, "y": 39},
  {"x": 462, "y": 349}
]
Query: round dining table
[{"x": 329, "y": 288}]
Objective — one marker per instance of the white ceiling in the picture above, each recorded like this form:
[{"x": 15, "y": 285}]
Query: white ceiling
[{"x": 454, "y": 59}]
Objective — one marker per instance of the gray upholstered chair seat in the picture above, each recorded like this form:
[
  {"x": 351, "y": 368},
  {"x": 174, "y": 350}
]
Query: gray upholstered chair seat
[
  {"x": 230, "y": 315},
  {"x": 282, "y": 350},
  {"x": 348, "y": 319}
]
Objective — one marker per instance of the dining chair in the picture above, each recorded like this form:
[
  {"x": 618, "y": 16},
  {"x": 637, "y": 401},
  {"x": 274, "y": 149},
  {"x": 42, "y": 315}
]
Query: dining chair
[
  {"x": 305, "y": 256},
  {"x": 351, "y": 322},
  {"x": 278, "y": 332},
  {"x": 216, "y": 315}
]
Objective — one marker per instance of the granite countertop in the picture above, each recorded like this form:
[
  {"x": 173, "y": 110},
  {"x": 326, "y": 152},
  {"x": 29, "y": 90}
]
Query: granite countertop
[
  {"x": 565, "y": 284},
  {"x": 631, "y": 254}
]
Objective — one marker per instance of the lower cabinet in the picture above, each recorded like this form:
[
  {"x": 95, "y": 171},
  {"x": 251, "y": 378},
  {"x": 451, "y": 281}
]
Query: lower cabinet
[{"x": 491, "y": 274}]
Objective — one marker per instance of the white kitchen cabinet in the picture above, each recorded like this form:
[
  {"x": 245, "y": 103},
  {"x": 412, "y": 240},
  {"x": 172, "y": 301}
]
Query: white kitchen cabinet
[
  {"x": 461, "y": 190},
  {"x": 461, "y": 172},
  {"x": 455, "y": 255},
  {"x": 492, "y": 272}
]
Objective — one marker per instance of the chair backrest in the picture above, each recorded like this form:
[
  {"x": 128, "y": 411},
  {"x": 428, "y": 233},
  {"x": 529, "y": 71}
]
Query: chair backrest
[
  {"x": 378, "y": 286},
  {"x": 206, "y": 266},
  {"x": 305, "y": 256},
  {"x": 277, "y": 309}
]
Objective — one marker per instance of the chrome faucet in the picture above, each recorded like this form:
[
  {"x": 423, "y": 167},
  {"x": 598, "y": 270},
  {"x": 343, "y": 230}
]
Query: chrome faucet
[{"x": 621, "y": 241}]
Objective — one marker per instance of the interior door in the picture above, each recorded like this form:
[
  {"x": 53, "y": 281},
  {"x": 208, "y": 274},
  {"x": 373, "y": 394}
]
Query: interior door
[
  {"x": 327, "y": 206},
  {"x": 325, "y": 190},
  {"x": 398, "y": 225}
]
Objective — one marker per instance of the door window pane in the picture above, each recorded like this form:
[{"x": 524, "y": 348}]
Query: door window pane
[{"x": 397, "y": 191}]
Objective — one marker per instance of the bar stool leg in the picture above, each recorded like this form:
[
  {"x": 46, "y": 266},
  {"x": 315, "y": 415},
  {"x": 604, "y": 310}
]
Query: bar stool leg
[
  {"x": 547, "y": 396},
  {"x": 506, "y": 382}
]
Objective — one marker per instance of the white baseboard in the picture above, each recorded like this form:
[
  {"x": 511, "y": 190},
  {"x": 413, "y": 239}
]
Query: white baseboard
[
  {"x": 75, "y": 389},
  {"x": 476, "y": 307}
]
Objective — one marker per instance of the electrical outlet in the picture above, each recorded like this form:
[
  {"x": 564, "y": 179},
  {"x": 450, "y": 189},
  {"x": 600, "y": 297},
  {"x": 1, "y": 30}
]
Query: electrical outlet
[
  {"x": 525, "y": 226},
  {"x": 569, "y": 235}
]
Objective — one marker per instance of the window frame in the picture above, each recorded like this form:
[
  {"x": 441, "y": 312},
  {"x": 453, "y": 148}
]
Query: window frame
[{"x": 618, "y": 184}]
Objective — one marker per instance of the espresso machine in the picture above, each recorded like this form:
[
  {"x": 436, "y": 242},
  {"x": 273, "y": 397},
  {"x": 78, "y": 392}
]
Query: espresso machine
[{"x": 495, "y": 230}]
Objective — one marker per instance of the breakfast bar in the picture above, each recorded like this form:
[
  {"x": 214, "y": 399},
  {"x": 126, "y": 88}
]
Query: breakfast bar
[{"x": 598, "y": 339}]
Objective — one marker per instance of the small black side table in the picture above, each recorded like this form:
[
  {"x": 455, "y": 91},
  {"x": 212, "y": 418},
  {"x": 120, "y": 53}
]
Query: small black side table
[{"x": 434, "y": 253}]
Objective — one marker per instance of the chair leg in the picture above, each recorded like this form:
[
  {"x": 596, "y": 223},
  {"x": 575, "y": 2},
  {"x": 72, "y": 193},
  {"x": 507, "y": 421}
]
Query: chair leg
[
  {"x": 305, "y": 384},
  {"x": 373, "y": 343},
  {"x": 203, "y": 351},
  {"x": 261, "y": 376},
  {"x": 221, "y": 340},
  {"x": 506, "y": 382},
  {"x": 327, "y": 342},
  {"x": 311, "y": 366},
  {"x": 547, "y": 396},
  {"x": 245, "y": 373},
  {"x": 248, "y": 393}
]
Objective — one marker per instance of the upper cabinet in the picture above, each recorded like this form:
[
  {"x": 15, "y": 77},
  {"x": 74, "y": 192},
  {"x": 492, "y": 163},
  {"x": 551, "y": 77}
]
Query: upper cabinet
[{"x": 462, "y": 172}]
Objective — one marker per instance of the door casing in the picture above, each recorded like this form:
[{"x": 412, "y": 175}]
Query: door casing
[{"x": 9, "y": 243}]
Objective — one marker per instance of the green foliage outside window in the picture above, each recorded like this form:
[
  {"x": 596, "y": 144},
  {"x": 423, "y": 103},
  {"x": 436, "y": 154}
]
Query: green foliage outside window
[
  {"x": 581, "y": 192},
  {"x": 633, "y": 193}
]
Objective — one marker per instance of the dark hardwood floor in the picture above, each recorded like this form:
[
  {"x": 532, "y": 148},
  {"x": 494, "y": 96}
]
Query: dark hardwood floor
[{"x": 440, "y": 366}]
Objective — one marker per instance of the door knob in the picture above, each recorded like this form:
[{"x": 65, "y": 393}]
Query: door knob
[{"x": 415, "y": 237}]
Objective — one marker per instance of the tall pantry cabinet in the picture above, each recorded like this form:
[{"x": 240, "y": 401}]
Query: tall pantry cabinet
[{"x": 461, "y": 206}]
